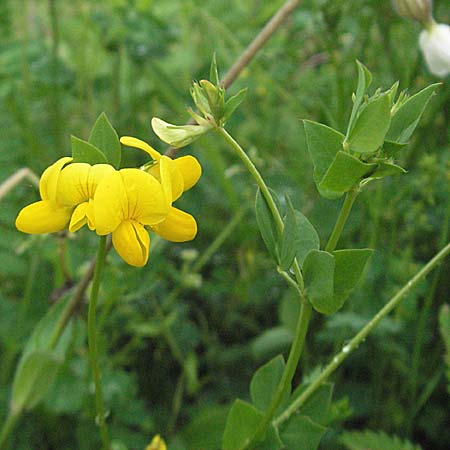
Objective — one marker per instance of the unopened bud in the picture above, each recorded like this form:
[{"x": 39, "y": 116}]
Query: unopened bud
[
  {"x": 420, "y": 10},
  {"x": 434, "y": 42}
]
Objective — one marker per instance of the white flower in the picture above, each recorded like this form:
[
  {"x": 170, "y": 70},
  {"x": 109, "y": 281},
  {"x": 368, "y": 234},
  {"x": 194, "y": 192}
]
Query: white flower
[{"x": 435, "y": 45}]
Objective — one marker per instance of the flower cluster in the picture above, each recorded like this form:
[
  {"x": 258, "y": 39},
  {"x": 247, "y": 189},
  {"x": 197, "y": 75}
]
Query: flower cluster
[{"x": 126, "y": 202}]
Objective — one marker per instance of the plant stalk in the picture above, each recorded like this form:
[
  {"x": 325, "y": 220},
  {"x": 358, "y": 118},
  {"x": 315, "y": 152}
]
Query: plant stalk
[
  {"x": 92, "y": 339},
  {"x": 7, "y": 428}
]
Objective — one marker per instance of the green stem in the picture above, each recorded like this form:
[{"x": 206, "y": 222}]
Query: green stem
[
  {"x": 288, "y": 374},
  {"x": 361, "y": 336},
  {"x": 342, "y": 219},
  {"x": 92, "y": 339},
  {"x": 7, "y": 428}
]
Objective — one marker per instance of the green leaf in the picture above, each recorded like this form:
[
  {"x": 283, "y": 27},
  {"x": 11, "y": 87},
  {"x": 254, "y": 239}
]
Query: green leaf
[
  {"x": 364, "y": 80},
  {"x": 265, "y": 382},
  {"x": 349, "y": 267},
  {"x": 299, "y": 237},
  {"x": 39, "y": 363},
  {"x": 301, "y": 433},
  {"x": 318, "y": 274},
  {"x": 363, "y": 440},
  {"x": 384, "y": 169},
  {"x": 323, "y": 143},
  {"x": 232, "y": 103},
  {"x": 444, "y": 328},
  {"x": 213, "y": 72},
  {"x": 371, "y": 125},
  {"x": 266, "y": 223},
  {"x": 391, "y": 148},
  {"x": 271, "y": 342},
  {"x": 84, "y": 152},
  {"x": 407, "y": 117},
  {"x": 104, "y": 137},
  {"x": 242, "y": 422},
  {"x": 343, "y": 174},
  {"x": 178, "y": 136}
]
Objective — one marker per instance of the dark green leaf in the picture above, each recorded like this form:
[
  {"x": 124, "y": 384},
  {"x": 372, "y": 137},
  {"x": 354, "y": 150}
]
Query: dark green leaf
[
  {"x": 323, "y": 143},
  {"x": 267, "y": 226},
  {"x": 318, "y": 405},
  {"x": 301, "y": 433},
  {"x": 318, "y": 274},
  {"x": 265, "y": 382},
  {"x": 84, "y": 152},
  {"x": 344, "y": 173},
  {"x": 104, "y": 137},
  {"x": 371, "y": 125},
  {"x": 362, "y": 440},
  {"x": 405, "y": 120}
]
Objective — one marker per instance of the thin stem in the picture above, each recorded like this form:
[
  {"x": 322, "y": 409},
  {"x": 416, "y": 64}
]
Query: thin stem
[
  {"x": 362, "y": 334},
  {"x": 7, "y": 428},
  {"x": 288, "y": 374},
  {"x": 342, "y": 219},
  {"x": 92, "y": 339}
]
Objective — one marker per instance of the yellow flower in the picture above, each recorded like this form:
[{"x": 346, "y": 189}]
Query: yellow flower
[
  {"x": 67, "y": 191},
  {"x": 184, "y": 172},
  {"x": 124, "y": 203},
  {"x": 156, "y": 444}
]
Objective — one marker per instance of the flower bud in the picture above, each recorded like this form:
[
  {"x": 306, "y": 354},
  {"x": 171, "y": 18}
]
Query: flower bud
[
  {"x": 434, "y": 42},
  {"x": 420, "y": 10}
]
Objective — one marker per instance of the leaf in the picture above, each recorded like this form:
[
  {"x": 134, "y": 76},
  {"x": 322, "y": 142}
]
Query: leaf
[
  {"x": 242, "y": 422},
  {"x": 104, "y": 137},
  {"x": 270, "y": 342},
  {"x": 265, "y": 382},
  {"x": 213, "y": 72},
  {"x": 299, "y": 237},
  {"x": 178, "y": 136},
  {"x": 301, "y": 433},
  {"x": 384, "y": 169},
  {"x": 84, "y": 152},
  {"x": 349, "y": 266},
  {"x": 343, "y": 174},
  {"x": 267, "y": 226},
  {"x": 444, "y": 328},
  {"x": 407, "y": 117},
  {"x": 372, "y": 440},
  {"x": 391, "y": 148},
  {"x": 318, "y": 275},
  {"x": 232, "y": 103},
  {"x": 364, "y": 80},
  {"x": 371, "y": 125},
  {"x": 323, "y": 143}
]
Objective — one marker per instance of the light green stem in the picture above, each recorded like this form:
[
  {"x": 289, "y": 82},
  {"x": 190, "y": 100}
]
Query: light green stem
[
  {"x": 342, "y": 219},
  {"x": 363, "y": 333},
  {"x": 92, "y": 339},
  {"x": 286, "y": 378},
  {"x": 7, "y": 428}
]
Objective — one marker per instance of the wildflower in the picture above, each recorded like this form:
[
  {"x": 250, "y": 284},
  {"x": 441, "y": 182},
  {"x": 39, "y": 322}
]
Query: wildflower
[
  {"x": 184, "y": 172},
  {"x": 125, "y": 202},
  {"x": 156, "y": 444},
  {"x": 66, "y": 192},
  {"x": 434, "y": 42}
]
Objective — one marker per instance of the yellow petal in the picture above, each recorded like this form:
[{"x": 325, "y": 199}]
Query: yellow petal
[
  {"x": 110, "y": 203},
  {"x": 49, "y": 179},
  {"x": 132, "y": 243},
  {"x": 179, "y": 226},
  {"x": 157, "y": 444},
  {"x": 146, "y": 201},
  {"x": 73, "y": 184},
  {"x": 79, "y": 217},
  {"x": 176, "y": 176},
  {"x": 90, "y": 214},
  {"x": 137, "y": 143},
  {"x": 43, "y": 217},
  {"x": 190, "y": 170}
]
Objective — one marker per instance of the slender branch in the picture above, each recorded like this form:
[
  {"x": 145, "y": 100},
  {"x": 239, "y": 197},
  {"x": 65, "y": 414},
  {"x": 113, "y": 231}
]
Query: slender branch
[
  {"x": 363, "y": 333},
  {"x": 12, "y": 181},
  {"x": 92, "y": 338}
]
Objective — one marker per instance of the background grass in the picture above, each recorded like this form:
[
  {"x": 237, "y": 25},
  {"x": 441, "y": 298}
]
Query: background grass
[{"x": 179, "y": 346}]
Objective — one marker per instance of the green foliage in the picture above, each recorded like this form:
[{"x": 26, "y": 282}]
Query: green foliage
[
  {"x": 444, "y": 328},
  {"x": 371, "y": 440},
  {"x": 85, "y": 152}
]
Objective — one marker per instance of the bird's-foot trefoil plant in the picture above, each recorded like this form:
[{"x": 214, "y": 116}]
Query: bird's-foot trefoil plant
[{"x": 381, "y": 124}]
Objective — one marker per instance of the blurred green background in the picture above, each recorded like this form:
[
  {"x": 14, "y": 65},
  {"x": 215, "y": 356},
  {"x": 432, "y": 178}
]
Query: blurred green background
[{"x": 179, "y": 346}]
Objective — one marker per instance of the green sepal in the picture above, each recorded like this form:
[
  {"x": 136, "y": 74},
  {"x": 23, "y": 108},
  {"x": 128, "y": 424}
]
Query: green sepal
[
  {"x": 299, "y": 237},
  {"x": 371, "y": 125},
  {"x": 344, "y": 173},
  {"x": 407, "y": 116},
  {"x": 267, "y": 226},
  {"x": 318, "y": 275},
  {"x": 84, "y": 152},
  {"x": 104, "y": 137},
  {"x": 242, "y": 421},
  {"x": 215, "y": 97},
  {"x": 265, "y": 381}
]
